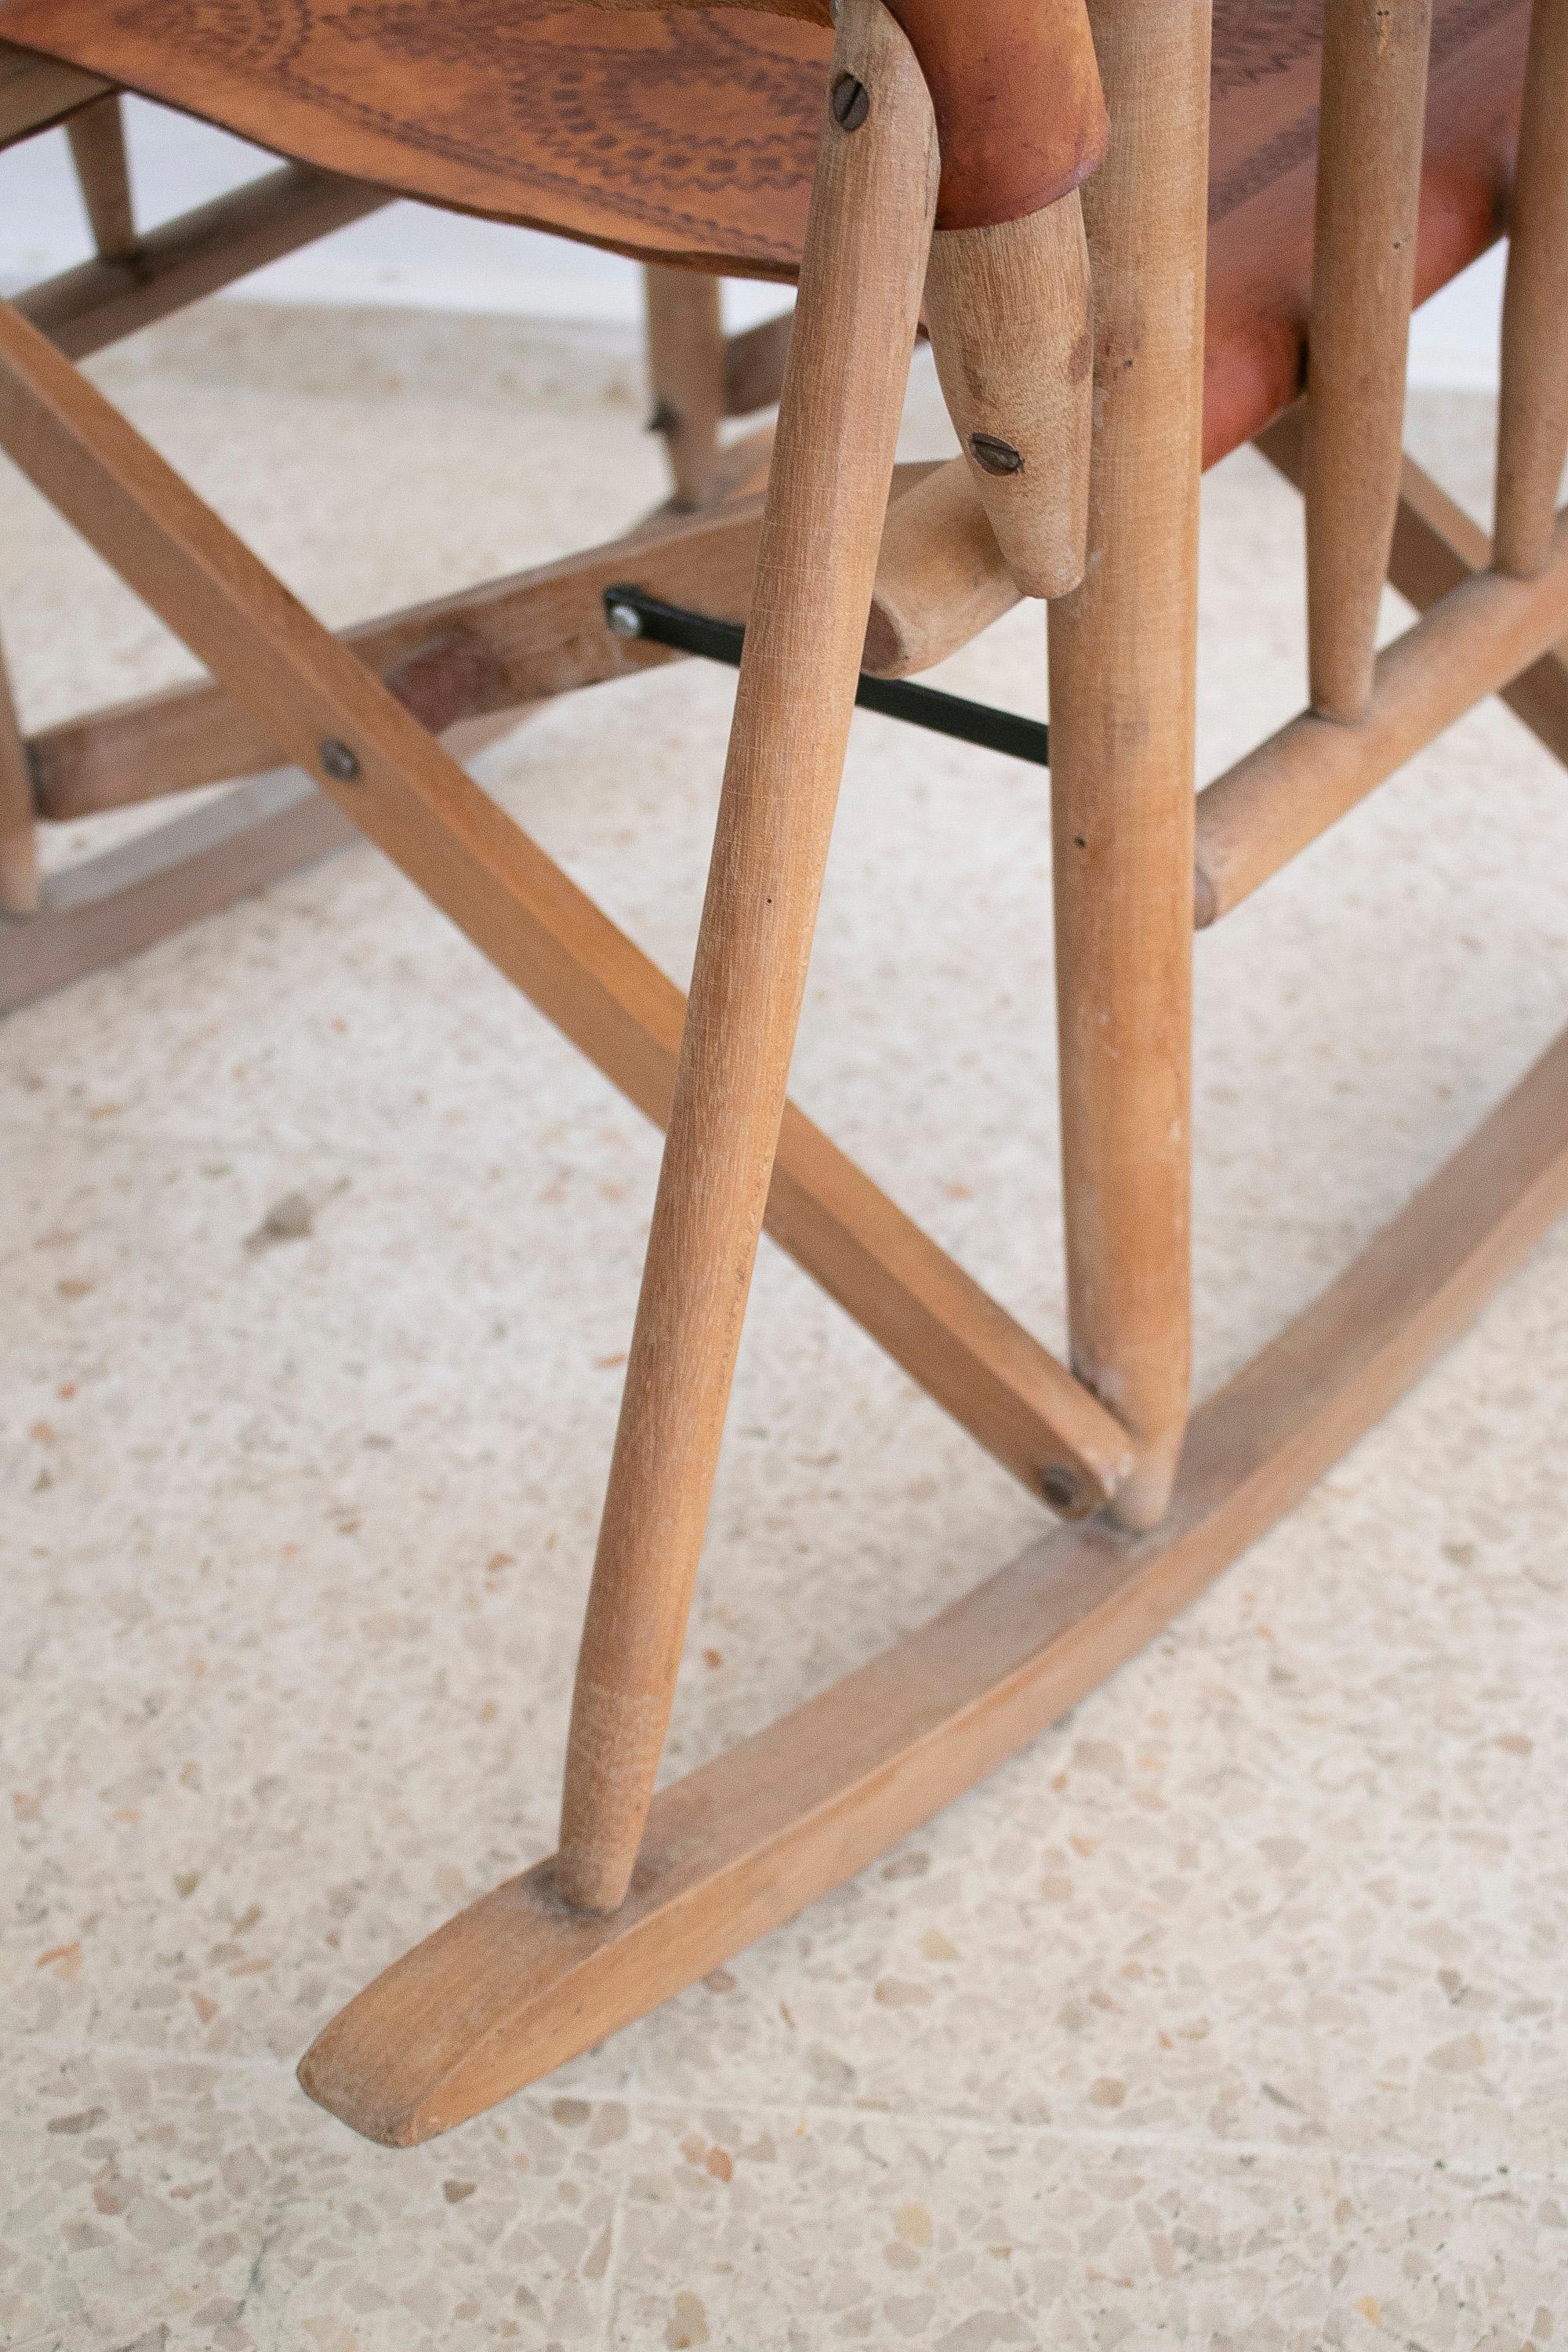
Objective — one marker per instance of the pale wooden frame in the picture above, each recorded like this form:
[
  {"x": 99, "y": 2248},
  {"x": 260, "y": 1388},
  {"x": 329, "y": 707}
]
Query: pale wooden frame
[{"x": 555, "y": 1959}]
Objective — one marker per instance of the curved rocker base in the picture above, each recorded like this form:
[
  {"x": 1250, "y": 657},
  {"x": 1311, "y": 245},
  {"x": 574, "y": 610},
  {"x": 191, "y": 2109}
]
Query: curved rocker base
[{"x": 516, "y": 1983}]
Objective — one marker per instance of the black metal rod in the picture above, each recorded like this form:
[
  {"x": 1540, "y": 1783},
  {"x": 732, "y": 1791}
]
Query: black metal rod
[{"x": 631, "y": 613}]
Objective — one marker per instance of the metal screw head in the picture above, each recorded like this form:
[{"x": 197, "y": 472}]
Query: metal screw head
[
  {"x": 852, "y": 102},
  {"x": 623, "y": 621},
  {"x": 994, "y": 455},
  {"x": 338, "y": 762},
  {"x": 1059, "y": 1489}
]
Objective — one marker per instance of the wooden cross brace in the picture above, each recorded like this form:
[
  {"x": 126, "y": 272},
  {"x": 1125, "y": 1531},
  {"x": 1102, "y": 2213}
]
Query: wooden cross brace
[{"x": 303, "y": 689}]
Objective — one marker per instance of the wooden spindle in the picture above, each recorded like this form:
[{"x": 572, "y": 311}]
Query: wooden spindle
[
  {"x": 1123, "y": 651},
  {"x": 686, "y": 365},
  {"x": 868, "y": 237},
  {"x": 97, "y": 137},
  {"x": 1363, "y": 277},
  {"x": 1532, "y": 409}
]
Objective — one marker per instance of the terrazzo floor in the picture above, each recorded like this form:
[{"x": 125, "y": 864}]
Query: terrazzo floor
[{"x": 1230, "y": 2015}]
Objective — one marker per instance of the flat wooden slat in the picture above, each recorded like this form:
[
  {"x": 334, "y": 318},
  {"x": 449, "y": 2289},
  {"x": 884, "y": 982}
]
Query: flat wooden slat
[
  {"x": 37, "y": 92},
  {"x": 520, "y": 909},
  {"x": 84, "y": 310},
  {"x": 515, "y": 640},
  {"x": 516, "y": 1985},
  {"x": 114, "y": 904}
]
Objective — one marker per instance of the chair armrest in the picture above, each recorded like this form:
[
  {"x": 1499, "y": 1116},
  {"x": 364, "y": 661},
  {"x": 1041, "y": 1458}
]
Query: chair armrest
[{"x": 1019, "y": 114}]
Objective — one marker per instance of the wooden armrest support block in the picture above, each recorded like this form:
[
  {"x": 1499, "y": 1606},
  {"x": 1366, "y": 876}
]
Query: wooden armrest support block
[{"x": 1012, "y": 328}]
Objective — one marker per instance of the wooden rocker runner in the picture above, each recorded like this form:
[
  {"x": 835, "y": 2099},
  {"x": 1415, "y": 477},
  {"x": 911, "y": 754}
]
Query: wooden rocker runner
[{"x": 1136, "y": 247}]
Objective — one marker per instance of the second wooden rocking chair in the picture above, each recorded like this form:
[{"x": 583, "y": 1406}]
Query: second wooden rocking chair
[{"x": 1115, "y": 297}]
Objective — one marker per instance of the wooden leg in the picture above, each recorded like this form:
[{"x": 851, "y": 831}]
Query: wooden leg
[
  {"x": 97, "y": 137},
  {"x": 867, "y": 242},
  {"x": 18, "y": 835},
  {"x": 111, "y": 905},
  {"x": 1532, "y": 409},
  {"x": 484, "y": 652},
  {"x": 686, "y": 367},
  {"x": 1122, "y": 649}
]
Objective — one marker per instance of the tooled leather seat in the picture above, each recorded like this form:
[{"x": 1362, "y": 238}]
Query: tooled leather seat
[{"x": 690, "y": 134}]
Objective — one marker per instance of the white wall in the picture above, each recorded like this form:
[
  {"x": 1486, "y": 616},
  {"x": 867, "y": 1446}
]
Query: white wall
[{"x": 410, "y": 254}]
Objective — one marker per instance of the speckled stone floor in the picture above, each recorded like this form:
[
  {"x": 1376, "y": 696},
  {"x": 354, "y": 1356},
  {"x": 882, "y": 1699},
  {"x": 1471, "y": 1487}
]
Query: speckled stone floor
[{"x": 1230, "y": 2015}]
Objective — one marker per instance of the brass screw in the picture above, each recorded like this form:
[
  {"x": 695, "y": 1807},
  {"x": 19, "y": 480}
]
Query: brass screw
[
  {"x": 994, "y": 455},
  {"x": 852, "y": 102},
  {"x": 1059, "y": 1489},
  {"x": 339, "y": 761}
]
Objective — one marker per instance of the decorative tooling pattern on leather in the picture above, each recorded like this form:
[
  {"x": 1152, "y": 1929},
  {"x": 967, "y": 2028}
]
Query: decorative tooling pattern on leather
[
  {"x": 690, "y": 134},
  {"x": 682, "y": 132}
]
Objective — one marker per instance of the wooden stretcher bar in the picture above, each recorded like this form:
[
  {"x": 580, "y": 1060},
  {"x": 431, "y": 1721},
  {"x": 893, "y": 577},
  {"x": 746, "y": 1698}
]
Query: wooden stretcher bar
[
  {"x": 1275, "y": 801},
  {"x": 480, "y": 651},
  {"x": 101, "y": 301}
]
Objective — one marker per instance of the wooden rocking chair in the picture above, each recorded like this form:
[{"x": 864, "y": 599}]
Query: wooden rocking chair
[{"x": 955, "y": 153}]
